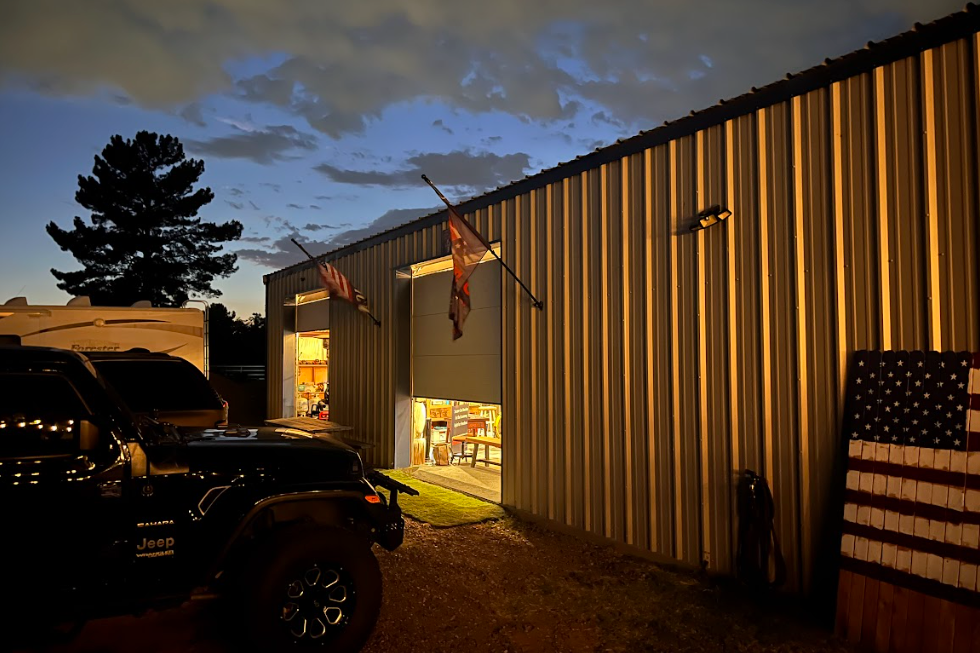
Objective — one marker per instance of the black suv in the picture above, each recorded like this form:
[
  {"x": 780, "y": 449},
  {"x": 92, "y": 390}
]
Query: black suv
[{"x": 107, "y": 513}]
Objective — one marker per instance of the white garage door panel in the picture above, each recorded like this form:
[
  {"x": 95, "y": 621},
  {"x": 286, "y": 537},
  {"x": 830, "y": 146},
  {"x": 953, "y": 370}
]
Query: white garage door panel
[
  {"x": 433, "y": 334},
  {"x": 314, "y": 316},
  {"x": 467, "y": 369},
  {"x": 465, "y": 380},
  {"x": 431, "y": 292}
]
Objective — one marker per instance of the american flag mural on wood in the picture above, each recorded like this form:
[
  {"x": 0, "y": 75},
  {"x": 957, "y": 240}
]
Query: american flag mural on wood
[{"x": 909, "y": 545}]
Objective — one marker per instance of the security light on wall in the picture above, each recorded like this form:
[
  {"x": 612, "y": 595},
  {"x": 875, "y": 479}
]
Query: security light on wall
[{"x": 711, "y": 216}]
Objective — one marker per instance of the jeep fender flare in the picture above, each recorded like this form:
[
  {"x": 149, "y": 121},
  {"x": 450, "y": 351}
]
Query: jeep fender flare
[{"x": 326, "y": 507}]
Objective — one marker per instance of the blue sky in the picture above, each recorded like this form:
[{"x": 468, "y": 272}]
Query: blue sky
[{"x": 315, "y": 119}]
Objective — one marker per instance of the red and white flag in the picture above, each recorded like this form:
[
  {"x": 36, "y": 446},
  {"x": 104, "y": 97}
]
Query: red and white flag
[
  {"x": 339, "y": 287},
  {"x": 468, "y": 248}
]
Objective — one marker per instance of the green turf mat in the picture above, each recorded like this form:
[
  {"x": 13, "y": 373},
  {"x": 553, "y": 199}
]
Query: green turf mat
[{"x": 441, "y": 507}]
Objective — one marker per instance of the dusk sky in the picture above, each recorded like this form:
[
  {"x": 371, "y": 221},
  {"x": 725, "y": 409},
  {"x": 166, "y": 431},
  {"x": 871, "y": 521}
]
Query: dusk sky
[{"x": 316, "y": 118}]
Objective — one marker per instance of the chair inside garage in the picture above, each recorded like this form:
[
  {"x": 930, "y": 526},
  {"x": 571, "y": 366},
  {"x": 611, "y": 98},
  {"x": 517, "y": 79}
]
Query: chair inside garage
[{"x": 461, "y": 449}]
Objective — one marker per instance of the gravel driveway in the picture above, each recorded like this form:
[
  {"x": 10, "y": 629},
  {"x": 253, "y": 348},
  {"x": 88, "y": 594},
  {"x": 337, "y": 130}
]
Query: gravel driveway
[{"x": 512, "y": 586}]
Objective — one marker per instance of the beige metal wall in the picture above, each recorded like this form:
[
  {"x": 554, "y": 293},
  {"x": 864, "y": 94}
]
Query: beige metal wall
[{"x": 666, "y": 361}]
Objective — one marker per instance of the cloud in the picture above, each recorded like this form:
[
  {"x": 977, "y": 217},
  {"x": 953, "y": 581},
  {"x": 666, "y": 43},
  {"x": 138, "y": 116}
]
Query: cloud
[
  {"x": 261, "y": 145},
  {"x": 238, "y": 206},
  {"x": 465, "y": 171},
  {"x": 315, "y": 207},
  {"x": 602, "y": 117},
  {"x": 254, "y": 206},
  {"x": 279, "y": 224},
  {"x": 241, "y": 125},
  {"x": 441, "y": 125},
  {"x": 295, "y": 206},
  {"x": 343, "y": 64},
  {"x": 256, "y": 239},
  {"x": 276, "y": 259},
  {"x": 389, "y": 220},
  {"x": 237, "y": 192},
  {"x": 193, "y": 114},
  {"x": 273, "y": 186},
  {"x": 352, "y": 197},
  {"x": 281, "y": 252}
]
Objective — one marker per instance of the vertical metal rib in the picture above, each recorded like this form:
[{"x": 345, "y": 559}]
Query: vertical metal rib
[
  {"x": 605, "y": 349},
  {"x": 551, "y": 401},
  {"x": 629, "y": 462},
  {"x": 700, "y": 289},
  {"x": 676, "y": 432},
  {"x": 764, "y": 294},
  {"x": 802, "y": 283},
  {"x": 586, "y": 346},
  {"x": 531, "y": 361},
  {"x": 881, "y": 125},
  {"x": 567, "y": 349},
  {"x": 934, "y": 299},
  {"x": 652, "y": 434},
  {"x": 840, "y": 273},
  {"x": 734, "y": 380}
]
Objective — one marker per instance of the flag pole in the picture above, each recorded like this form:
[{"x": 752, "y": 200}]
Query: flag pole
[
  {"x": 538, "y": 304},
  {"x": 377, "y": 322}
]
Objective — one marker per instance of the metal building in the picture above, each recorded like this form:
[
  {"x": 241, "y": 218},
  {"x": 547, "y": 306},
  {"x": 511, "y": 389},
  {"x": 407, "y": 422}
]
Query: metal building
[{"x": 665, "y": 361}]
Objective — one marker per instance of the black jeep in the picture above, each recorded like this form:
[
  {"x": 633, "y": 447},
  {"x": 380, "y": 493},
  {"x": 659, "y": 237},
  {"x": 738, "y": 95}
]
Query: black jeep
[{"x": 109, "y": 513}]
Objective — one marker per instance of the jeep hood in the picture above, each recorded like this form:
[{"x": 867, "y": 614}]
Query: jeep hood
[{"x": 271, "y": 448}]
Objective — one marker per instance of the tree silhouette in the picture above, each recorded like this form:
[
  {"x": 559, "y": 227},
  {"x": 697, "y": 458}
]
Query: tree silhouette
[
  {"x": 235, "y": 340},
  {"x": 145, "y": 240}
]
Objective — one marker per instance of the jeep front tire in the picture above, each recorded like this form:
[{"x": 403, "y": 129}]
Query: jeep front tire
[{"x": 311, "y": 588}]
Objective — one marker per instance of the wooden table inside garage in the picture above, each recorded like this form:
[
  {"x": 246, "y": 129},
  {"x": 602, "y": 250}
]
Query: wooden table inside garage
[{"x": 476, "y": 441}]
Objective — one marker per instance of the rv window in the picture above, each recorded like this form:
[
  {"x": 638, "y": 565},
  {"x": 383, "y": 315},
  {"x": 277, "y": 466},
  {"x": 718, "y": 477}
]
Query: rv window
[{"x": 147, "y": 385}]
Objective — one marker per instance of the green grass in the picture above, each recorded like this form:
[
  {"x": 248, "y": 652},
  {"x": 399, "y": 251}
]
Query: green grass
[{"x": 441, "y": 507}]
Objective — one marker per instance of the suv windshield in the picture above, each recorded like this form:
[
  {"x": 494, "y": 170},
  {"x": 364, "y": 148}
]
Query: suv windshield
[{"x": 159, "y": 385}]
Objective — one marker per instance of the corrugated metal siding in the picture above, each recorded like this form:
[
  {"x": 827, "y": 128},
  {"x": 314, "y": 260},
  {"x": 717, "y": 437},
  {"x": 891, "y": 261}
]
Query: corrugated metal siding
[{"x": 665, "y": 361}]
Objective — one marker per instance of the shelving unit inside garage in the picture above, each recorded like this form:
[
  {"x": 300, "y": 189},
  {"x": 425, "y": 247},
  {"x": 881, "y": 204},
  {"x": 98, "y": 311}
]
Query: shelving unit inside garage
[{"x": 312, "y": 363}]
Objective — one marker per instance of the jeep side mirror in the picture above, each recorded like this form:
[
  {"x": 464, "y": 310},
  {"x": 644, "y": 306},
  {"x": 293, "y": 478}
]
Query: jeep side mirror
[{"x": 88, "y": 436}]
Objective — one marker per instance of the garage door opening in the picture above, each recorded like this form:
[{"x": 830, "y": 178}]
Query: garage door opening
[
  {"x": 456, "y": 384},
  {"x": 457, "y": 445},
  {"x": 306, "y": 357},
  {"x": 312, "y": 381}
]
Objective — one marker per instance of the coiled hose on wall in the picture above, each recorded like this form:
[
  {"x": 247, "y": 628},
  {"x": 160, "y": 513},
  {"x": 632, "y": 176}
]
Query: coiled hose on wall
[{"x": 758, "y": 560}]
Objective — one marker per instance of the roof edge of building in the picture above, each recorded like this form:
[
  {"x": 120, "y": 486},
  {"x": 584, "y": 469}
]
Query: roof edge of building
[{"x": 920, "y": 38}]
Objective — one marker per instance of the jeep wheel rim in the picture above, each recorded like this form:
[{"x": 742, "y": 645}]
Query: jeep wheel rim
[{"x": 319, "y": 604}]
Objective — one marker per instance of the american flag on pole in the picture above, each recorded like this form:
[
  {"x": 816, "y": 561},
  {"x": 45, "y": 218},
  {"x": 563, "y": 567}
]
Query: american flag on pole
[
  {"x": 339, "y": 287},
  {"x": 912, "y": 497}
]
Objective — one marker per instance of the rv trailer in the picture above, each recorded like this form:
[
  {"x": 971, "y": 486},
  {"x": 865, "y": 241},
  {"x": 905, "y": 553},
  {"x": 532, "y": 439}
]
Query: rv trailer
[{"x": 81, "y": 327}]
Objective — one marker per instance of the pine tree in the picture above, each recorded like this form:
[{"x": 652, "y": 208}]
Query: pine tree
[
  {"x": 144, "y": 241},
  {"x": 235, "y": 340}
]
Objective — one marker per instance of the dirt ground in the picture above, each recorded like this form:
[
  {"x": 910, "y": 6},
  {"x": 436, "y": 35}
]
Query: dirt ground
[{"x": 514, "y": 587}]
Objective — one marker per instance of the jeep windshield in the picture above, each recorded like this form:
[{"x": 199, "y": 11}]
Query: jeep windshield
[{"x": 159, "y": 385}]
